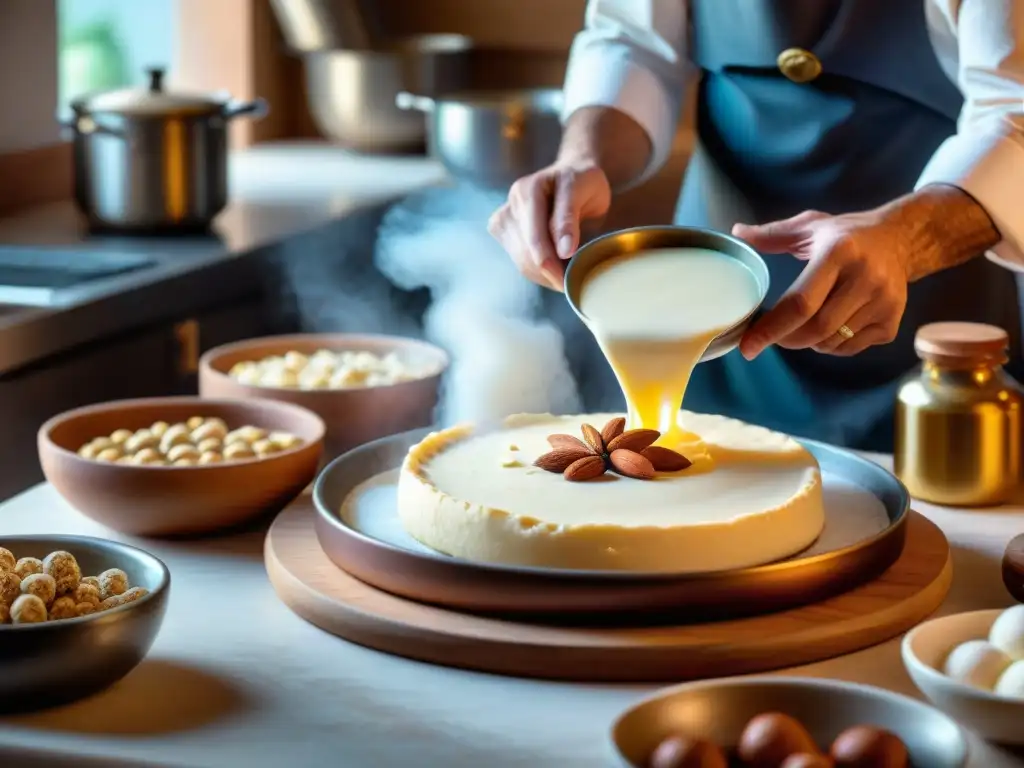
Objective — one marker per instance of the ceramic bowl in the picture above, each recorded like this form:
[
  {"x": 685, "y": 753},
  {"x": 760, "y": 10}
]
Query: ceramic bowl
[
  {"x": 353, "y": 416},
  {"x": 168, "y": 501},
  {"x": 925, "y": 648},
  {"x": 43, "y": 665},
  {"x": 718, "y": 710},
  {"x": 660, "y": 237}
]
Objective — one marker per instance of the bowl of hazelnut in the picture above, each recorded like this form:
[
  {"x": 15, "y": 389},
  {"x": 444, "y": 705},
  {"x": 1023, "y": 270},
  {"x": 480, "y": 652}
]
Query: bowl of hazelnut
[
  {"x": 363, "y": 386},
  {"x": 76, "y": 615},
  {"x": 785, "y": 722},
  {"x": 172, "y": 466}
]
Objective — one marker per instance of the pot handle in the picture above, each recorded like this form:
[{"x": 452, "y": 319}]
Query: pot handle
[
  {"x": 410, "y": 101},
  {"x": 83, "y": 124},
  {"x": 257, "y": 109}
]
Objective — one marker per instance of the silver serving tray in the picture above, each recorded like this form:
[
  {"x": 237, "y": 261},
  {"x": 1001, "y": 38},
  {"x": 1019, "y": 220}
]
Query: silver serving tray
[{"x": 426, "y": 576}]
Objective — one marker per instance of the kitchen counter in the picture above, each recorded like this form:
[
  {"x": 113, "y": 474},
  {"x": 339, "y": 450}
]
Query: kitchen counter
[
  {"x": 234, "y": 678},
  {"x": 278, "y": 192}
]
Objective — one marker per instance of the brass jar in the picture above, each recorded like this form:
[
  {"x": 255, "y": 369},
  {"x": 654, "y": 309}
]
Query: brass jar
[{"x": 958, "y": 418}]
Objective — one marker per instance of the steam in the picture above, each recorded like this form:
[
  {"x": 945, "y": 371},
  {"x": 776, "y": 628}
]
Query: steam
[{"x": 505, "y": 359}]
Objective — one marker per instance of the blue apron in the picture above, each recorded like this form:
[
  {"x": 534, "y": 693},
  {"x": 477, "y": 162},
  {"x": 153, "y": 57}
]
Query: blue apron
[{"x": 856, "y": 137}]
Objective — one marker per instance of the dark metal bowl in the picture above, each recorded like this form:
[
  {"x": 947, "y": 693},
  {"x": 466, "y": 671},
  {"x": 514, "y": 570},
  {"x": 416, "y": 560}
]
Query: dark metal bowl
[
  {"x": 718, "y": 710},
  {"x": 44, "y": 665},
  {"x": 654, "y": 238}
]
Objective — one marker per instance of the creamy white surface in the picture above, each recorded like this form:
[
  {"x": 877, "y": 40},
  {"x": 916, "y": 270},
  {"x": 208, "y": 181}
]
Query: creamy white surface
[
  {"x": 852, "y": 514},
  {"x": 755, "y": 497},
  {"x": 654, "y": 313},
  {"x": 316, "y": 697},
  {"x": 747, "y": 482},
  {"x": 667, "y": 293}
]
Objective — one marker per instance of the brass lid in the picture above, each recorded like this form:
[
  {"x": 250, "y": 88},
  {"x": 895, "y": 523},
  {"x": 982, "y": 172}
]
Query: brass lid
[
  {"x": 799, "y": 65},
  {"x": 966, "y": 342}
]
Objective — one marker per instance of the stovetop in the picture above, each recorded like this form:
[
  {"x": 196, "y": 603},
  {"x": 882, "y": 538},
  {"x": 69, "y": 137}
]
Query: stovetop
[{"x": 32, "y": 276}]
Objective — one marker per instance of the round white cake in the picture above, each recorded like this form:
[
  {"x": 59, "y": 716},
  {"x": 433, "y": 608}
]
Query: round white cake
[{"x": 753, "y": 497}]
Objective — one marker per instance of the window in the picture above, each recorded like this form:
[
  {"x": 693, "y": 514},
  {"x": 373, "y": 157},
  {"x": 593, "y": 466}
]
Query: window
[{"x": 105, "y": 44}]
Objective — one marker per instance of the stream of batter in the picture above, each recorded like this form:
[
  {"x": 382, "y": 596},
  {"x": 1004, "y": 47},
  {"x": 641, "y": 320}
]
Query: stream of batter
[{"x": 654, "y": 314}]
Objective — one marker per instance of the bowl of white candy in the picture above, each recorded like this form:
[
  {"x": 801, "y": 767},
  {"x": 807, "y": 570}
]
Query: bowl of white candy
[
  {"x": 363, "y": 386},
  {"x": 971, "y": 665}
]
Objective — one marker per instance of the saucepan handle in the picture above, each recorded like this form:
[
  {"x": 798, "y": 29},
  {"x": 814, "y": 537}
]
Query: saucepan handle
[
  {"x": 76, "y": 123},
  {"x": 257, "y": 109},
  {"x": 410, "y": 101}
]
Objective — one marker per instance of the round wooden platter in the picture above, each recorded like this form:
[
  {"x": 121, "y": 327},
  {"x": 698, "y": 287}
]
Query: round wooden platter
[{"x": 322, "y": 594}]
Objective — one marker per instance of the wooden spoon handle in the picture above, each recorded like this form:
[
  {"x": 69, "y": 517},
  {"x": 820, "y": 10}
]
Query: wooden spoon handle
[{"x": 1013, "y": 568}]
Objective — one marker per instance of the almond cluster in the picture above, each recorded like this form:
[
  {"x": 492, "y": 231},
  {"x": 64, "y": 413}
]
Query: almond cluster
[{"x": 629, "y": 453}]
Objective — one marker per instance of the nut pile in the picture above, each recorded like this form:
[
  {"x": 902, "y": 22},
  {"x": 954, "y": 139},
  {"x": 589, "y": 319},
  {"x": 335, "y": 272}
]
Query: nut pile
[
  {"x": 51, "y": 589},
  {"x": 776, "y": 740},
  {"x": 325, "y": 369},
  {"x": 197, "y": 441}
]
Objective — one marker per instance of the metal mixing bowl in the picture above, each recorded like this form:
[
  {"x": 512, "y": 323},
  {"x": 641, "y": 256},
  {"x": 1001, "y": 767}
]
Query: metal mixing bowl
[
  {"x": 718, "y": 710},
  {"x": 43, "y": 665},
  {"x": 652, "y": 238},
  {"x": 492, "y": 138},
  {"x": 352, "y": 93}
]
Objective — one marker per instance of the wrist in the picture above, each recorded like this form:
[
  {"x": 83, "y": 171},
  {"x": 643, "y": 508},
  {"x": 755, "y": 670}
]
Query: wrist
[{"x": 944, "y": 227}]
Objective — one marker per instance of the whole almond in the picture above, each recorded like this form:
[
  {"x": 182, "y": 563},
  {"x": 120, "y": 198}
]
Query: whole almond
[
  {"x": 612, "y": 429},
  {"x": 665, "y": 459},
  {"x": 631, "y": 464},
  {"x": 568, "y": 442},
  {"x": 634, "y": 440},
  {"x": 593, "y": 438},
  {"x": 586, "y": 468},
  {"x": 559, "y": 459}
]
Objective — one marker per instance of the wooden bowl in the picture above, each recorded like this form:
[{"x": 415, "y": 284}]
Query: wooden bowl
[
  {"x": 56, "y": 662},
  {"x": 353, "y": 416},
  {"x": 167, "y": 501}
]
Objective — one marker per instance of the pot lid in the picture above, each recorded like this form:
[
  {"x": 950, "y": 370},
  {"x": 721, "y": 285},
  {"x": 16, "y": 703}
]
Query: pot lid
[{"x": 152, "y": 101}]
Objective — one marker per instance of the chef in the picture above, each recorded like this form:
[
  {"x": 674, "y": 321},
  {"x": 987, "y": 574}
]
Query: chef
[{"x": 872, "y": 149}]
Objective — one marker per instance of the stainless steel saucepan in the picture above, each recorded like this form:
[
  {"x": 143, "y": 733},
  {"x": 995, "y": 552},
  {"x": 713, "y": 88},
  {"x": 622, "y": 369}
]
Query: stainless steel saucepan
[
  {"x": 492, "y": 138},
  {"x": 153, "y": 160}
]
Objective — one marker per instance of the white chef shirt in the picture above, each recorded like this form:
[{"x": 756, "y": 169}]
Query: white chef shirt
[{"x": 632, "y": 56}]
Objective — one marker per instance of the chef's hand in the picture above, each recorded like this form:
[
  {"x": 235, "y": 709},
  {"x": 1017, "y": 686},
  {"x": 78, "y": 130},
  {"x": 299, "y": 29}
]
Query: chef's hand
[
  {"x": 539, "y": 226},
  {"x": 852, "y": 293}
]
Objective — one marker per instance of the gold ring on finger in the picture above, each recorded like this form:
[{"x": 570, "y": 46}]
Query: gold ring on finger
[{"x": 846, "y": 332}]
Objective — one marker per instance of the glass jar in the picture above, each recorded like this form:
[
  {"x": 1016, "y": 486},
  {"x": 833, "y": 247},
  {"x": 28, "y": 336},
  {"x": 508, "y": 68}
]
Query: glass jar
[{"x": 958, "y": 418}]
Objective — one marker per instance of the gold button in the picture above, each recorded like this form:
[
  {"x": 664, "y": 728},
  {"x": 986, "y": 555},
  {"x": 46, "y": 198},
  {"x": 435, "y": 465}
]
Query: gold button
[{"x": 799, "y": 65}]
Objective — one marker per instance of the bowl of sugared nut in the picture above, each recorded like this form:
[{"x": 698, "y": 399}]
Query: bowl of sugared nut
[
  {"x": 180, "y": 465},
  {"x": 76, "y": 615},
  {"x": 785, "y": 722},
  {"x": 971, "y": 666},
  {"x": 363, "y": 386}
]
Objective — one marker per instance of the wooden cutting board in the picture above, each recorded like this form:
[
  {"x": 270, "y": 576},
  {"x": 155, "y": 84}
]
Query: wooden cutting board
[{"x": 319, "y": 592}]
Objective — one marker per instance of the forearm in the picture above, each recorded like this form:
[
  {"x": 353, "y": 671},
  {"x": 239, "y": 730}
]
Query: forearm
[
  {"x": 609, "y": 139},
  {"x": 944, "y": 227}
]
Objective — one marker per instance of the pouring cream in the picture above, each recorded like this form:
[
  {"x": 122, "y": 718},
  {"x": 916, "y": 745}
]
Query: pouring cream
[{"x": 654, "y": 313}]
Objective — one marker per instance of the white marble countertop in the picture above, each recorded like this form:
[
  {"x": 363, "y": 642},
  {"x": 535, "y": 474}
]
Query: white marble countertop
[{"x": 234, "y": 678}]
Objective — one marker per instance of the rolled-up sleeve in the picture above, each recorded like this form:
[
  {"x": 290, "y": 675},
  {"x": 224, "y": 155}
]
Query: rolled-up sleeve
[
  {"x": 985, "y": 157},
  {"x": 631, "y": 56}
]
